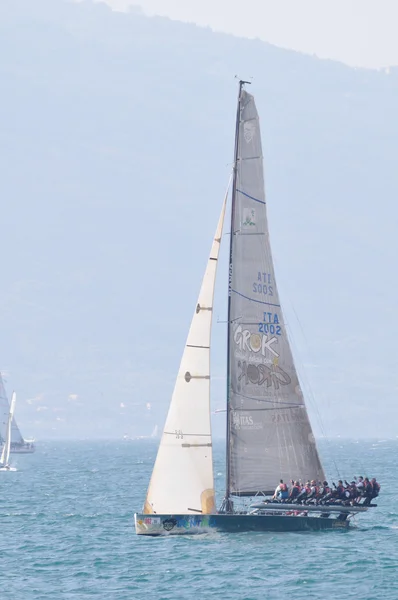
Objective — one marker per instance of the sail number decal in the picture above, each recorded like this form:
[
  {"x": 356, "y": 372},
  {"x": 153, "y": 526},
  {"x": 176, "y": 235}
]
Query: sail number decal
[
  {"x": 264, "y": 284},
  {"x": 269, "y": 328},
  {"x": 179, "y": 434},
  {"x": 270, "y": 324}
]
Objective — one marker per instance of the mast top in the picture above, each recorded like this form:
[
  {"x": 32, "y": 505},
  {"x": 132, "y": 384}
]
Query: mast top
[{"x": 242, "y": 82}]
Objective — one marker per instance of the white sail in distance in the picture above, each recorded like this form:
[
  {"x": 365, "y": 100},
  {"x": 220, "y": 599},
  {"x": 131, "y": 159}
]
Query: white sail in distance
[
  {"x": 182, "y": 479},
  {"x": 4, "y": 411},
  {"x": 5, "y": 455},
  {"x": 16, "y": 436}
]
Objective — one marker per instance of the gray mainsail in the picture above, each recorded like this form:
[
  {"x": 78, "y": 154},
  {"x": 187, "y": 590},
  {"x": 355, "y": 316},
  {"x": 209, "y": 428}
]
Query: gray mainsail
[
  {"x": 16, "y": 436},
  {"x": 269, "y": 435}
]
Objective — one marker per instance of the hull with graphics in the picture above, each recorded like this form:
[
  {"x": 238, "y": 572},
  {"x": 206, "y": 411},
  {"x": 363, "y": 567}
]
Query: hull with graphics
[{"x": 155, "y": 525}]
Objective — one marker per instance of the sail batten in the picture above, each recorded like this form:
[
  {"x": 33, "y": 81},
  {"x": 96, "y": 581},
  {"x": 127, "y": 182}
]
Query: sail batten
[
  {"x": 269, "y": 435},
  {"x": 182, "y": 476}
]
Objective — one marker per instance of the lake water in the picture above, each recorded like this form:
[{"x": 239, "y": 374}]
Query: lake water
[{"x": 67, "y": 531}]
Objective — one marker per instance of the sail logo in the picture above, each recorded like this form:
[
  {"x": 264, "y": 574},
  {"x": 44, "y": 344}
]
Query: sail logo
[
  {"x": 294, "y": 415},
  {"x": 255, "y": 342},
  {"x": 249, "y": 130},
  {"x": 169, "y": 524},
  {"x": 271, "y": 375},
  {"x": 249, "y": 218},
  {"x": 240, "y": 421}
]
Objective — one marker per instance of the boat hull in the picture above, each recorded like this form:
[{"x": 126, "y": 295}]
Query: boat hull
[
  {"x": 22, "y": 449},
  {"x": 155, "y": 525}
]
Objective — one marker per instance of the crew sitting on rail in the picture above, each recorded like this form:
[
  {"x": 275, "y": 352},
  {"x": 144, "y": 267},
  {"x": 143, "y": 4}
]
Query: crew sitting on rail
[
  {"x": 295, "y": 490},
  {"x": 359, "y": 485},
  {"x": 324, "y": 490},
  {"x": 376, "y": 487},
  {"x": 368, "y": 491},
  {"x": 305, "y": 490},
  {"x": 314, "y": 492},
  {"x": 281, "y": 491}
]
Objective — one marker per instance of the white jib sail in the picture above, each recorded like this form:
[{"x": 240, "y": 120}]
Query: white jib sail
[
  {"x": 182, "y": 480},
  {"x": 5, "y": 455}
]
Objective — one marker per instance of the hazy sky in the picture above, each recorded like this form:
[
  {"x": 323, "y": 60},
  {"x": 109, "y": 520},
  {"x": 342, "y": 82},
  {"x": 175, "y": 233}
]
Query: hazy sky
[
  {"x": 117, "y": 135},
  {"x": 357, "y": 32}
]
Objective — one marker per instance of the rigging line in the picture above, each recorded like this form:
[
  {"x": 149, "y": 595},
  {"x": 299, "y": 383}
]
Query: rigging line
[
  {"x": 311, "y": 395},
  {"x": 304, "y": 377},
  {"x": 306, "y": 340}
]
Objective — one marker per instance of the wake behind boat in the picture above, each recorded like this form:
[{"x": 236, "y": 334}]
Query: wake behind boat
[
  {"x": 5, "y": 455},
  {"x": 269, "y": 435}
]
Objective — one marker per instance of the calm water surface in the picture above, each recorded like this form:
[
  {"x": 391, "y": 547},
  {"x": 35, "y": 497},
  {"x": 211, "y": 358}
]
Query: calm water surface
[{"x": 66, "y": 531}]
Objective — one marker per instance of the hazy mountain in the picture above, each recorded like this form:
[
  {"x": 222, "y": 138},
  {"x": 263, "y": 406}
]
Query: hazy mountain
[{"x": 116, "y": 143}]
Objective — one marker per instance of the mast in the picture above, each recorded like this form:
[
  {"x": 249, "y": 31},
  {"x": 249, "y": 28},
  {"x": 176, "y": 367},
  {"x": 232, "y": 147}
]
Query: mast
[{"x": 227, "y": 503}]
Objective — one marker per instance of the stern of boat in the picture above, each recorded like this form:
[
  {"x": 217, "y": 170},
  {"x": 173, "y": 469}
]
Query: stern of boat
[{"x": 150, "y": 524}]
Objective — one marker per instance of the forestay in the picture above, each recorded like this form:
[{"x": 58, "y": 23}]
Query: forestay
[
  {"x": 270, "y": 436},
  {"x": 182, "y": 479}
]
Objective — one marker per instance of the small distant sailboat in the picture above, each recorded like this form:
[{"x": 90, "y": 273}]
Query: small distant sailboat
[
  {"x": 269, "y": 435},
  {"x": 153, "y": 435},
  {"x": 5, "y": 455},
  {"x": 19, "y": 445}
]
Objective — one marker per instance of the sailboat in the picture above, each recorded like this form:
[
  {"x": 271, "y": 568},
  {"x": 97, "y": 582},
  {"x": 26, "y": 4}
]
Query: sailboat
[
  {"x": 19, "y": 445},
  {"x": 269, "y": 435},
  {"x": 5, "y": 455}
]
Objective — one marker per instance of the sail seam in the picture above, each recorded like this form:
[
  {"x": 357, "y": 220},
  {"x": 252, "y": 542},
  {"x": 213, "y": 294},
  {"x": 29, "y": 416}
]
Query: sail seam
[
  {"x": 264, "y": 409},
  {"x": 254, "y": 300},
  {"x": 251, "y": 197},
  {"x": 265, "y": 400}
]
